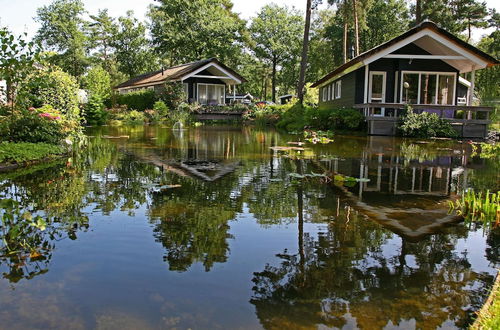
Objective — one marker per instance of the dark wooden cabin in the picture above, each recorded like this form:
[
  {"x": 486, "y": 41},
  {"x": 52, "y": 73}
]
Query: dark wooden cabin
[
  {"x": 422, "y": 68},
  {"x": 208, "y": 82}
]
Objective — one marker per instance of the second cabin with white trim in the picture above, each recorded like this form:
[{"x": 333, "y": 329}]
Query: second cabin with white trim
[
  {"x": 421, "y": 67},
  {"x": 207, "y": 82}
]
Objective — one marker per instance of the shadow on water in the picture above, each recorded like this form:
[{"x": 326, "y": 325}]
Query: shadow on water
[{"x": 245, "y": 244}]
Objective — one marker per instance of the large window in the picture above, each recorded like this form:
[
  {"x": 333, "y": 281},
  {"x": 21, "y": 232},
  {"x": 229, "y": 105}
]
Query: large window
[
  {"x": 210, "y": 94},
  {"x": 428, "y": 88}
]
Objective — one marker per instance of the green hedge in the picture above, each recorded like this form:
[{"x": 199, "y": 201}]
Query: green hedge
[
  {"x": 140, "y": 100},
  {"x": 25, "y": 151}
]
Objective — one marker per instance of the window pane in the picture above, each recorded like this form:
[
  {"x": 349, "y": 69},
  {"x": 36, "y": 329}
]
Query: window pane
[
  {"x": 410, "y": 88},
  {"x": 428, "y": 88},
  {"x": 377, "y": 87},
  {"x": 445, "y": 89},
  {"x": 202, "y": 96}
]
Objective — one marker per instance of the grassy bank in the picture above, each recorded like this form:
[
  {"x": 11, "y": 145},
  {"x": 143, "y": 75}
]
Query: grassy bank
[
  {"x": 489, "y": 315},
  {"x": 20, "y": 152}
]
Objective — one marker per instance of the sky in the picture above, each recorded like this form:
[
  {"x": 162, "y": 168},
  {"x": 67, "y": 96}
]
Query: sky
[{"x": 18, "y": 15}]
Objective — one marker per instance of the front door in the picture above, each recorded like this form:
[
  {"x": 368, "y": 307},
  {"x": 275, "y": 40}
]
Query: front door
[{"x": 377, "y": 91}]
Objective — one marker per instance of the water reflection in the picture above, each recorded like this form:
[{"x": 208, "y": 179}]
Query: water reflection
[{"x": 373, "y": 254}]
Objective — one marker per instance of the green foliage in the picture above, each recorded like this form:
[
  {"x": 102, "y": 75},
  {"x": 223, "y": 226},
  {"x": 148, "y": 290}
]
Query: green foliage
[
  {"x": 21, "y": 231},
  {"x": 478, "y": 207},
  {"x": 173, "y": 95},
  {"x": 139, "y": 100},
  {"x": 188, "y": 30},
  {"x": 25, "y": 151},
  {"x": 63, "y": 31},
  {"x": 294, "y": 118},
  {"x": 44, "y": 124},
  {"x": 17, "y": 57},
  {"x": 95, "y": 112},
  {"x": 134, "y": 117},
  {"x": 98, "y": 83},
  {"x": 131, "y": 47},
  {"x": 51, "y": 87},
  {"x": 161, "y": 108},
  {"x": 277, "y": 34},
  {"x": 334, "y": 119},
  {"x": 425, "y": 125}
]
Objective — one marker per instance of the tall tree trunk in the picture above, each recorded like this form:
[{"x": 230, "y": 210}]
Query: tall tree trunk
[
  {"x": 356, "y": 27},
  {"x": 418, "y": 12},
  {"x": 345, "y": 40},
  {"x": 274, "y": 79},
  {"x": 305, "y": 47}
]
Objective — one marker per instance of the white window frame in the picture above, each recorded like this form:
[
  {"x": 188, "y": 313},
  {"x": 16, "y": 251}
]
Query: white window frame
[
  {"x": 325, "y": 93},
  {"x": 437, "y": 73},
  {"x": 205, "y": 84},
  {"x": 338, "y": 89},
  {"x": 186, "y": 90}
]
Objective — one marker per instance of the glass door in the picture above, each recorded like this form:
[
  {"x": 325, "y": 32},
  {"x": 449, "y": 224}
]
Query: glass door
[{"x": 377, "y": 91}]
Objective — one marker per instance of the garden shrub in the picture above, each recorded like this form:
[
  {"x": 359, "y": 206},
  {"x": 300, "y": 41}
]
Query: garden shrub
[
  {"x": 95, "y": 112},
  {"x": 44, "y": 124},
  {"x": 161, "y": 108},
  {"x": 139, "y": 100},
  {"x": 425, "y": 125},
  {"x": 173, "y": 95},
  {"x": 134, "y": 117},
  {"x": 24, "y": 151},
  {"x": 334, "y": 119},
  {"x": 51, "y": 87},
  {"x": 293, "y": 119},
  {"x": 152, "y": 115}
]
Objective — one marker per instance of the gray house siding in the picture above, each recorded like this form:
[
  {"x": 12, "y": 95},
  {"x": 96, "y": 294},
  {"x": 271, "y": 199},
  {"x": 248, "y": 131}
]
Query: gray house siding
[
  {"x": 347, "y": 95},
  {"x": 353, "y": 84}
]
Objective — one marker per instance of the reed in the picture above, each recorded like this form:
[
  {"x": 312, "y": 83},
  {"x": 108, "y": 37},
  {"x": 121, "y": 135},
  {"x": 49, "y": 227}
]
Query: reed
[{"x": 478, "y": 207}]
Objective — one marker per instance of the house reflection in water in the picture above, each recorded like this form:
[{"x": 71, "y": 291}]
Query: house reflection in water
[{"x": 417, "y": 179}]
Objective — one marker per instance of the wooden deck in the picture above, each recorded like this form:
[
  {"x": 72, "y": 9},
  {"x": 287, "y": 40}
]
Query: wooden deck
[{"x": 468, "y": 121}]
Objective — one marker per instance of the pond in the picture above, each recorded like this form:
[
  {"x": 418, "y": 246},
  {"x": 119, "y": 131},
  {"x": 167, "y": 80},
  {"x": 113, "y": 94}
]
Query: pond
[{"x": 206, "y": 228}]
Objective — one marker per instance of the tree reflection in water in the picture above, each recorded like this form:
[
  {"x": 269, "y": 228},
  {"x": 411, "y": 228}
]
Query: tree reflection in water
[{"x": 352, "y": 271}]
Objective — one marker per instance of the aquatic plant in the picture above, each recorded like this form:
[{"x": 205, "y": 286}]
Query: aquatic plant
[
  {"x": 478, "y": 207},
  {"x": 323, "y": 137}
]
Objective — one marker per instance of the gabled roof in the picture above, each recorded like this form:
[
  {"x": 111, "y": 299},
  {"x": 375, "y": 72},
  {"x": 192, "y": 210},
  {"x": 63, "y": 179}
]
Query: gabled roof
[
  {"x": 176, "y": 73},
  {"x": 435, "y": 35}
]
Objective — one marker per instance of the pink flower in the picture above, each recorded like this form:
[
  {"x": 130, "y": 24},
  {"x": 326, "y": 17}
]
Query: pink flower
[{"x": 31, "y": 109}]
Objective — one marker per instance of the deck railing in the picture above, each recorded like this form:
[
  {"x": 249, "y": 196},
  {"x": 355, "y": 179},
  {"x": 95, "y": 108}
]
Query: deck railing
[
  {"x": 468, "y": 121},
  {"x": 455, "y": 113}
]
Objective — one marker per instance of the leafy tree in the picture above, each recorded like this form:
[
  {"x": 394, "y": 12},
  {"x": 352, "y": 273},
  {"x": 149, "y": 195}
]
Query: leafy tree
[
  {"x": 98, "y": 83},
  {"x": 385, "y": 20},
  {"x": 132, "y": 47},
  {"x": 63, "y": 30},
  {"x": 276, "y": 32},
  {"x": 102, "y": 30},
  {"x": 324, "y": 54},
  {"x": 488, "y": 79},
  {"x": 17, "y": 57},
  {"x": 188, "y": 30},
  {"x": 471, "y": 13}
]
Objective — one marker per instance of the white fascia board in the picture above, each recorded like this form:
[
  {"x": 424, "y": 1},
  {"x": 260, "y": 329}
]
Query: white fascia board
[
  {"x": 460, "y": 50},
  {"x": 350, "y": 69},
  {"x": 206, "y": 66}
]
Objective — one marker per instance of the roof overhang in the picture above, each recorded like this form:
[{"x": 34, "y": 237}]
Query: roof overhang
[{"x": 438, "y": 43}]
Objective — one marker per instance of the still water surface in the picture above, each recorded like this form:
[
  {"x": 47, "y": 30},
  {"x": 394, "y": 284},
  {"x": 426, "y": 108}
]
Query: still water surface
[{"x": 206, "y": 229}]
